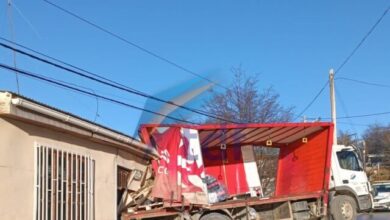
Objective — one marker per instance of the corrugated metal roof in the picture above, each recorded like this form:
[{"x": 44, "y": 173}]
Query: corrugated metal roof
[
  {"x": 131, "y": 143},
  {"x": 68, "y": 113}
]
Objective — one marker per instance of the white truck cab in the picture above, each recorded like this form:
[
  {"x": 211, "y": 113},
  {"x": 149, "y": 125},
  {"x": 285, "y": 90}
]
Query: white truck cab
[
  {"x": 349, "y": 185},
  {"x": 350, "y": 190}
]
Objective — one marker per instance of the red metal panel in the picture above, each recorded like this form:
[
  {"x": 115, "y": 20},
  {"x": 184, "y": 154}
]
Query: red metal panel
[
  {"x": 301, "y": 167},
  {"x": 249, "y": 125},
  {"x": 328, "y": 165},
  {"x": 229, "y": 172}
]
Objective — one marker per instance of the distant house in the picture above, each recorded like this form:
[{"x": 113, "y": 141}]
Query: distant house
[{"x": 54, "y": 165}]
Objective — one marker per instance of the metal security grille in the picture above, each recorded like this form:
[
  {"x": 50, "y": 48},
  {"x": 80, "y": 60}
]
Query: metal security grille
[{"x": 64, "y": 185}]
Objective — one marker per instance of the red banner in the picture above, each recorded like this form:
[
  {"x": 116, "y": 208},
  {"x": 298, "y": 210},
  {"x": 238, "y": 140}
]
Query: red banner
[
  {"x": 165, "y": 185},
  {"x": 180, "y": 170}
]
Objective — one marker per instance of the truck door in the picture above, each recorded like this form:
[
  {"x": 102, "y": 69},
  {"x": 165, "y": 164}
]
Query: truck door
[{"x": 351, "y": 173}]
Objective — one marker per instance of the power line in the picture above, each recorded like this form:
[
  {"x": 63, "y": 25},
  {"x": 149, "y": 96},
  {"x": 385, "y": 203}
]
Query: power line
[
  {"x": 357, "y": 116},
  {"x": 312, "y": 101},
  {"x": 353, "y": 116},
  {"x": 78, "y": 86},
  {"x": 366, "y": 125},
  {"x": 363, "y": 39},
  {"x": 143, "y": 49},
  {"x": 346, "y": 60},
  {"x": 366, "y": 83},
  {"x": 353, "y": 124},
  {"x": 55, "y": 82},
  {"x": 103, "y": 80},
  {"x": 12, "y": 30},
  {"x": 26, "y": 20},
  {"x": 363, "y": 82},
  {"x": 345, "y": 109},
  {"x": 364, "y": 115}
]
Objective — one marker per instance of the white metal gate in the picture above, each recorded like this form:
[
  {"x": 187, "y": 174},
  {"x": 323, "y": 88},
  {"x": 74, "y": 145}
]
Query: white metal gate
[{"x": 64, "y": 185}]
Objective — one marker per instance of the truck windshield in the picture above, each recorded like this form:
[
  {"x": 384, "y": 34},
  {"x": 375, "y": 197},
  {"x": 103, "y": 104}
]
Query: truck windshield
[{"x": 348, "y": 160}]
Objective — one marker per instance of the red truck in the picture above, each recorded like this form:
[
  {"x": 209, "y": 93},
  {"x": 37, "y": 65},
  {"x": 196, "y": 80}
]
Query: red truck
[{"x": 210, "y": 171}]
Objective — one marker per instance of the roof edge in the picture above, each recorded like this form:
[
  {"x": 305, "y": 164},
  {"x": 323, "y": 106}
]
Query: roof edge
[{"x": 10, "y": 100}]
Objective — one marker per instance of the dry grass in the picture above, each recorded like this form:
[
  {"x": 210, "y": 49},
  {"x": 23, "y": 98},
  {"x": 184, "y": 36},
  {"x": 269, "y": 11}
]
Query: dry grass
[{"x": 382, "y": 175}]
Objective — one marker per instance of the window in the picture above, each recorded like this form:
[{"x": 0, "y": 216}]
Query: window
[
  {"x": 64, "y": 185},
  {"x": 382, "y": 188},
  {"x": 348, "y": 160},
  {"x": 125, "y": 178}
]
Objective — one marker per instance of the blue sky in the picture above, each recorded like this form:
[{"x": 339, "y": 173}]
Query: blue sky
[{"x": 291, "y": 44}]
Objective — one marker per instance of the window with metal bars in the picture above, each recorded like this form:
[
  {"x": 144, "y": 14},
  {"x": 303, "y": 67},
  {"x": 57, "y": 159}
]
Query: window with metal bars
[{"x": 64, "y": 185}]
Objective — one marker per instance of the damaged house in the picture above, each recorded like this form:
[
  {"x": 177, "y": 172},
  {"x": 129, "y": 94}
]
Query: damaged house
[{"x": 55, "y": 165}]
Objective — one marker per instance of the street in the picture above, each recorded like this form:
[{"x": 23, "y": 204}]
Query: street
[{"x": 375, "y": 216}]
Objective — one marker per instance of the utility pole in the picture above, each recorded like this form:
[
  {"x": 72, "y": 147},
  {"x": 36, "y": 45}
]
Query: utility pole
[{"x": 333, "y": 104}]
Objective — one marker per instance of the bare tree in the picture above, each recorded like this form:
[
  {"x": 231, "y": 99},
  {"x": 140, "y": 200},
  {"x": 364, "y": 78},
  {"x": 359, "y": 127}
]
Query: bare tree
[
  {"x": 243, "y": 102},
  {"x": 346, "y": 138},
  {"x": 267, "y": 165},
  {"x": 377, "y": 138}
]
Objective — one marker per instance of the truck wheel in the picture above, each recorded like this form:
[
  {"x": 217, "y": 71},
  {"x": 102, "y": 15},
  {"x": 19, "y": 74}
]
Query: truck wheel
[
  {"x": 215, "y": 216},
  {"x": 343, "y": 208}
]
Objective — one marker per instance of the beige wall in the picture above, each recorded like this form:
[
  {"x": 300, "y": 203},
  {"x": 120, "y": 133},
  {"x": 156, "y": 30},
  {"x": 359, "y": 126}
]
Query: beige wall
[{"x": 17, "y": 142}]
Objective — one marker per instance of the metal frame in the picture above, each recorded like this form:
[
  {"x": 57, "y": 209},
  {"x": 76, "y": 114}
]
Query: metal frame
[
  {"x": 247, "y": 125},
  {"x": 171, "y": 211},
  {"x": 63, "y": 188}
]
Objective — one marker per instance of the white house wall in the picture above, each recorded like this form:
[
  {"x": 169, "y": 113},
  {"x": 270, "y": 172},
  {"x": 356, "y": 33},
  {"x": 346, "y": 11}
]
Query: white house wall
[{"x": 17, "y": 142}]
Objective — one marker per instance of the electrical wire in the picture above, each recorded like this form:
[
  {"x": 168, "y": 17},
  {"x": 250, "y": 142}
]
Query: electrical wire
[
  {"x": 345, "y": 109},
  {"x": 103, "y": 80},
  {"x": 366, "y": 125},
  {"x": 363, "y": 82},
  {"x": 346, "y": 60},
  {"x": 312, "y": 101},
  {"x": 26, "y": 20},
  {"x": 353, "y": 116},
  {"x": 354, "y": 124},
  {"x": 12, "y": 30},
  {"x": 363, "y": 115},
  {"x": 141, "y": 48},
  {"x": 45, "y": 79}
]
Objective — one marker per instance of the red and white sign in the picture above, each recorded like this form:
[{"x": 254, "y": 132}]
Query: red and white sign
[{"x": 180, "y": 170}]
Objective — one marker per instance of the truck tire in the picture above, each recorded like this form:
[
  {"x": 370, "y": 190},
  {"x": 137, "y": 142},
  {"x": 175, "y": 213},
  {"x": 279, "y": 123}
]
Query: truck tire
[
  {"x": 343, "y": 208},
  {"x": 215, "y": 216}
]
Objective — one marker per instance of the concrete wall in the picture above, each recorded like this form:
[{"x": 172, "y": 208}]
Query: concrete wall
[{"x": 17, "y": 143}]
